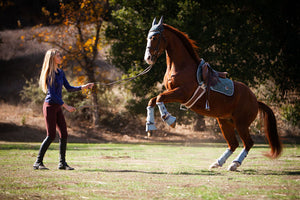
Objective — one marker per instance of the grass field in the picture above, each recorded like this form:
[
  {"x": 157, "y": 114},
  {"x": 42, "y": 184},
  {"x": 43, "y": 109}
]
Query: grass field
[{"x": 147, "y": 171}]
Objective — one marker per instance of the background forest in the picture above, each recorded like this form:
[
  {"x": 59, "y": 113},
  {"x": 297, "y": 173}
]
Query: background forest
[{"x": 256, "y": 42}]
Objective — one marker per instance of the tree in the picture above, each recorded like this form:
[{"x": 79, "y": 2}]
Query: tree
[{"x": 77, "y": 32}]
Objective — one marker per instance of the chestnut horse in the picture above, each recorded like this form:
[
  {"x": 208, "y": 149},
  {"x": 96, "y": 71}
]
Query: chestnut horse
[{"x": 234, "y": 112}]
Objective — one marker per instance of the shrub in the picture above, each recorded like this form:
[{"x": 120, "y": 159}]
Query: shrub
[
  {"x": 291, "y": 113},
  {"x": 32, "y": 93}
]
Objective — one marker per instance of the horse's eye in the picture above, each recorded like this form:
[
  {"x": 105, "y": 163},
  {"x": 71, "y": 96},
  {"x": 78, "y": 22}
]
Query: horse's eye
[{"x": 154, "y": 38}]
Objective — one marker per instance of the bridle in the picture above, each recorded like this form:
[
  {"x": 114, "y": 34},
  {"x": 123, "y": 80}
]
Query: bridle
[{"x": 156, "y": 52}]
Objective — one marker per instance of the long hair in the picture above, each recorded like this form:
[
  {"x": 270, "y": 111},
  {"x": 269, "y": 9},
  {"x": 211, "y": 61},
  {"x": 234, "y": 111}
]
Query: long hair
[{"x": 48, "y": 70}]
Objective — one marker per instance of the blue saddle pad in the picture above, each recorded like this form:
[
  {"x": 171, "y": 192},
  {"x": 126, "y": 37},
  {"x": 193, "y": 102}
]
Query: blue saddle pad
[{"x": 224, "y": 86}]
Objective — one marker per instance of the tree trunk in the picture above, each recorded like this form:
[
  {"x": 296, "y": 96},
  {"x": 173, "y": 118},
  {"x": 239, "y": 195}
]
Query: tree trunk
[
  {"x": 95, "y": 108},
  {"x": 95, "y": 112}
]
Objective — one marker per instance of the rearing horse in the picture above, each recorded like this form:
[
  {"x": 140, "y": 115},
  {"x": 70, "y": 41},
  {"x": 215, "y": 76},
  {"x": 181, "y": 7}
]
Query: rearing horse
[{"x": 234, "y": 112}]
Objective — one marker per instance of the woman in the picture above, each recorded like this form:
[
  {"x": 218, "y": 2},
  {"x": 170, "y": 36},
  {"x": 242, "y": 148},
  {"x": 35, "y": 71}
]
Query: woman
[{"x": 52, "y": 79}]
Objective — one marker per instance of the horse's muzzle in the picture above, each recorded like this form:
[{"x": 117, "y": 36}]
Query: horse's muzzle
[{"x": 150, "y": 59}]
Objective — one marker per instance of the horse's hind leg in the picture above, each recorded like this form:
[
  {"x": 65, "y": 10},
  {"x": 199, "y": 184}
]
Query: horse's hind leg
[
  {"x": 227, "y": 129},
  {"x": 243, "y": 131}
]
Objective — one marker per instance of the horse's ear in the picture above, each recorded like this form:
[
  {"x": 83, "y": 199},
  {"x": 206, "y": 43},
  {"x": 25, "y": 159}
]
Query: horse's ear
[
  {"x": 161, "y": 20},
  {"x": 154, "y": 21}
]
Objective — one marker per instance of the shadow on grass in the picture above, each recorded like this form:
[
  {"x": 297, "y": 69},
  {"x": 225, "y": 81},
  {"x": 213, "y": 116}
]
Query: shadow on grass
[
  {"x": 270, "y": 172},
  {"x": 204, "y": 172},
  {"x": 200, "y": 173}
]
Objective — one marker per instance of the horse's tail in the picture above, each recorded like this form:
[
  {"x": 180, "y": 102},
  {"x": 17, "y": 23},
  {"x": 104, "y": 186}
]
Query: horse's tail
[{"x": 271, "y": 130}]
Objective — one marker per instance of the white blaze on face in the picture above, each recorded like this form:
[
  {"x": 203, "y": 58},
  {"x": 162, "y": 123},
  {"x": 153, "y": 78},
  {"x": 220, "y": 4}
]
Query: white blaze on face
[{"x": 148, "y": 56}]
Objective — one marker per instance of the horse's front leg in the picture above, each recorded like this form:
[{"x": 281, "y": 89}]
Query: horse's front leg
[
  {"x": 150, "y": 124},
  {"x": 167, "y": 96},
  {"x": 165, "y": 115}
]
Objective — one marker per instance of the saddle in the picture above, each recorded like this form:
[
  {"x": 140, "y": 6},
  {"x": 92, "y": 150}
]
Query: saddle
[
  {"x": 209, "y": 76},
  {"x": 213, "y": 80}
]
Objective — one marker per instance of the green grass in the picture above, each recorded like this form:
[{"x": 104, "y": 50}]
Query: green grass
[{"x": 147, "y": 171}]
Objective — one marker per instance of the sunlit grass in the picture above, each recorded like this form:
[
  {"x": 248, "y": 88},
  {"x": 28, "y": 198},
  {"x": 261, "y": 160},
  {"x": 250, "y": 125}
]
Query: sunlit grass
[{"x": 146, "y": 171}]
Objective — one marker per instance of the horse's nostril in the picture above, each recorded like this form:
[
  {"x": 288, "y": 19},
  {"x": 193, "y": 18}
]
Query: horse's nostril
[{"x": 148, "y": 58}]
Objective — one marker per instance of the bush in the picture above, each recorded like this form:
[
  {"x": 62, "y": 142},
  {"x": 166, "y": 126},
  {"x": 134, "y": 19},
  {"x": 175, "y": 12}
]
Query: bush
[
  {"x": 291, "y": 113},
  {"x": 32, "y": 93}
]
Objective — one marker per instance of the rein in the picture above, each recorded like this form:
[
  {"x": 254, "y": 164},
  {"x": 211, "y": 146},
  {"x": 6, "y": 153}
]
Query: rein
[{"x": 125, "y": 80}]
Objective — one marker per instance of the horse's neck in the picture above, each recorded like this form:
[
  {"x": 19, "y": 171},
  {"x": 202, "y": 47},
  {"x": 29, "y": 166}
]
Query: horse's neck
[{"x": 178, "y": 56}]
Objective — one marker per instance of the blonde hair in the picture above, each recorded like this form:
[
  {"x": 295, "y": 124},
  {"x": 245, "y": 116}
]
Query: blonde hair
[{"x": 48, "y": 69}]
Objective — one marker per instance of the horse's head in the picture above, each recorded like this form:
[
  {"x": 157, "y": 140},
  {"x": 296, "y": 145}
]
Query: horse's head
[{"x": 155, "y": 44}]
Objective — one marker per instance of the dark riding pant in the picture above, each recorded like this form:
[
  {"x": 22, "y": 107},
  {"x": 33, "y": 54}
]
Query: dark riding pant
[{"x": 54, "y": 118}]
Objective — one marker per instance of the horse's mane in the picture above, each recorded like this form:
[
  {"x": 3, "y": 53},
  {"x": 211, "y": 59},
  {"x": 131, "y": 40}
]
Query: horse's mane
[{"x": 188, "y": 43}]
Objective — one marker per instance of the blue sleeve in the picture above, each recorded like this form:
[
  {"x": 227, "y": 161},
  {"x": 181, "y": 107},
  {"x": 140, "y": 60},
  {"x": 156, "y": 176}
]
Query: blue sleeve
[
  {"x": 53, "y": 94},
  {"x": 68, "y": 86}
]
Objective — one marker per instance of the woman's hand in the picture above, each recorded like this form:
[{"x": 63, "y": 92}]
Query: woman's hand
[
  {"x": 88, "y": 86},
  {"x": 69, "y": 108}
]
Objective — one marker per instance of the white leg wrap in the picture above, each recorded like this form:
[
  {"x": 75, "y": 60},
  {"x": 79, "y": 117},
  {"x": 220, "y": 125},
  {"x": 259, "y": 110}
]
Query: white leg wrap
[
  {"x": 150, "y": 114},
  {"x": 162, "y": 108},
  {"x": 150, "y": 125},
  {"x": 241, "y": 156},
  {"x": 167, "y": 117},
  {"x": 224, "y": 157}
]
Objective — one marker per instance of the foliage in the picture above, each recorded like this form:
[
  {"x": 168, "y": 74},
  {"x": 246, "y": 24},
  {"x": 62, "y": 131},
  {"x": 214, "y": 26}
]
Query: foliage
[
  {"x": 288, "y": 107},
  {"x": 268, "y": 92},
  {"x": 32, "y": 93},
  {"x": 78, "y": 35},
  {"x": 291, "y": 113}
]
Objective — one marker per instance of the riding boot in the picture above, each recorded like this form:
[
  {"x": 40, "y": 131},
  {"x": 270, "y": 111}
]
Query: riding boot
[
  {"x": 62, "y": 151},
  {"x": 39, "y": 161}
]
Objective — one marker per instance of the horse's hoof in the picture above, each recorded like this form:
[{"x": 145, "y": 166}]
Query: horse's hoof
[
  {"x": 173, "y": 125},
  {"x": 214, "y": 165},
  {"x": 234, "y": 166},
  {"x": 170, "y": 120},
  {"x": 149, "y": 133},
  {"x": 150, "y": 127}
]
